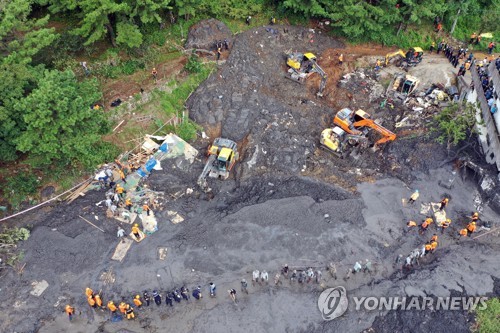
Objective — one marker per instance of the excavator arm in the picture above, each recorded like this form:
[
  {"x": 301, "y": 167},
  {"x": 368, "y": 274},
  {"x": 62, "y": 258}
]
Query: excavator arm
[
  {"x": 386, "y": 134},
  {"x": 202, "y": 179},
  {"x": 389, "y": 56},
  {"x": 324, "y": 76}
]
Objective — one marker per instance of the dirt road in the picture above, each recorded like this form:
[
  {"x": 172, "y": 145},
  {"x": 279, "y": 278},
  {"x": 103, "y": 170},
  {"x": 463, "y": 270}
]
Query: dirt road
[{"x": 288, "y": 203}]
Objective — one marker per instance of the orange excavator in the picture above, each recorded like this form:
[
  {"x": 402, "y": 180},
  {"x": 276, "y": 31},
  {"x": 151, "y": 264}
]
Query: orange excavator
[{"x": 359, "y": 122}]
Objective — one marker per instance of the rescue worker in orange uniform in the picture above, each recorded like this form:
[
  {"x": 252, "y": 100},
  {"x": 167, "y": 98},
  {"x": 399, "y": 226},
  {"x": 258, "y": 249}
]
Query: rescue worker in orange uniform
[
  {"x": 112, "y": 307},
  {"x": 128, "y": 204},
  {"x": 137, "y": 301},
  {"x": 98, "y": 300},
  {"x": 70, "y": 311},
  {"x": 120, "y": 191},
  {"x": 445, "y": 225},
  {"x": 89, "y": 292},
  {"x": 122, "y": 176},
  {"x": 444, "y": 203},
  {"x": 136, "y": 231},
  {"x": 411, "y": 224},
  {"x": 463, "y": 232},
  {"x": 475, "y": 217},
  {"x": 91, "y": 301},
  {"x": 130, "y": 312},
  {"x": 471, "y": 227},
  {"x": 425, "y": 224},
  {"x": 122, "y": 307},
  {"x": 434, "y": 245},
  {"x": 146, "y": 208},
  {"x": 428, "y": 248},
  {"x": 434, "y": 238}
]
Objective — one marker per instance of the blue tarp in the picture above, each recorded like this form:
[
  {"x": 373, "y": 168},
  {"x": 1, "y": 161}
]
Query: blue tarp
[
  {"x": 164, "y": 147},
  {"x": 150, "y": 164}
]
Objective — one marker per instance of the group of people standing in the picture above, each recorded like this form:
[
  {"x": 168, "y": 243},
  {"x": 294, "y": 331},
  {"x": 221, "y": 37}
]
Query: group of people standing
[{"x": 432, "y": 244}]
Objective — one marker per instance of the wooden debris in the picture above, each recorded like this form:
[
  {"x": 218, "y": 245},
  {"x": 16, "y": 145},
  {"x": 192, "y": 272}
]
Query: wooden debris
[
  {"x": 79, "y": 191},
  {"x": 121, "y": 122}
]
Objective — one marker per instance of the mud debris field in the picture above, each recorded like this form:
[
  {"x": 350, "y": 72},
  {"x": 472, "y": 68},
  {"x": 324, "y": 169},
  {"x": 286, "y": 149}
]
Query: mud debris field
[{"x": 288, "y": 201}]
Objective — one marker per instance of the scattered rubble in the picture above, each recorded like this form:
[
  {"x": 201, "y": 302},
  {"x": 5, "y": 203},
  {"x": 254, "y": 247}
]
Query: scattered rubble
[{"x": 204, "y": 34}]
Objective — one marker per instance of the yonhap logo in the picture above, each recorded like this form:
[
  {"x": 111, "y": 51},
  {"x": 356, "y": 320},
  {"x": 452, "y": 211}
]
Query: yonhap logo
[{"x": 333, "y": 303}]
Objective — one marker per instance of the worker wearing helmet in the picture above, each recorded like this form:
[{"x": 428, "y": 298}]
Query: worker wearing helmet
[
  {"x": 414, "y": 197},
  {"x": 130, "y": 312},
  {"x": 91, "y": 301},
  {"x": 122, "y": 307},
  {"x": 411, "y": 224},
  {"x": 89, "y": 292},
  {"x": 136, "y": 231},
  {"x": 98, "y": 301},
  {"x": 444, "y": 203},
  {"x": 471, "y": 227},
  {"x": 70, "y": 311},
  {"x": 146, "y": 208},
  {"x": 112, "y": 307},
  {"x": 434, "y": 238},
  {"x": 427, "y": 248},
  {"x": 445, "y": 225},
  {"x": 463, "y": 232},
  {"x": 137, "y": 301},
  {"x": 475, "y": 217},
  {"x": 425, "y": 224}
]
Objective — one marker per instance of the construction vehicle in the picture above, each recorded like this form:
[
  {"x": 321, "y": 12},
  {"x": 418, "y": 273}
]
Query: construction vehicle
[
  {"x": 410, "y": 58},
  {"x": 337, "y": 141},
  {"x": 359, "y": 123},
  {"x": 301, "y": 66},
  {"x": 403, "y": 84},
  {"x": 222, "y": 155}
]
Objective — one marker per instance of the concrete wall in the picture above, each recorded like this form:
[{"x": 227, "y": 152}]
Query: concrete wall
[{"x": 488, "y": 132}]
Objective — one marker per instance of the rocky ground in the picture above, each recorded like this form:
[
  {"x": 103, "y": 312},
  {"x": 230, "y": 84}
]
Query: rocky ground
[{"x": 289, "y": 201}]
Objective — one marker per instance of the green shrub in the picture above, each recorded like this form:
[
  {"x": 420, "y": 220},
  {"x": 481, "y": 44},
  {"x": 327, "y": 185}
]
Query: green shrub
[
  {"x": 19, "y": 186},
  {"x": 193, "y": 64},
  {"x": 109, "y": 71},
  {"x": 454, "y": 123},
  {"x": 98, "y": 154},
  {"x": 7, "y": 152},
  {"x": 131, "y": 66},
  {"x": 187, "y": 130}
]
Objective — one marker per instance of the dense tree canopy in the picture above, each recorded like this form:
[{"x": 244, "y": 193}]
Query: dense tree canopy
[
  {"x": 119, "y": 19},
  {"x": 42, "y": 113},
  {"x": 20, "y": 39},
  {"x": 367, "y": 18},
  {"x": 59, "y": 123}
]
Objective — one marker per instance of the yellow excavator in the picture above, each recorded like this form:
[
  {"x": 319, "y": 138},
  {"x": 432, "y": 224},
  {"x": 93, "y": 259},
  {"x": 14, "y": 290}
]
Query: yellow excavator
[
  {"x": 337, "y": 141},
  {"x": 301, "y": 66},
  {"x": 359, "y": 122},
  {"x": 222, "y": 156},
  {"x": 411, "y": 58}
]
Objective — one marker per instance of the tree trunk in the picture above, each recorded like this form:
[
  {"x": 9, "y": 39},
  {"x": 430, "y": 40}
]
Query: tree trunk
[
  {"x": 111, "y": 31},
  {"x": 455, "y": 22},
  {"x": 399, "y": 29}
]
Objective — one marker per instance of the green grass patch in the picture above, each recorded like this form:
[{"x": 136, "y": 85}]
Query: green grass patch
[
  {"x": 18, "y": 187},
  {"x": 488, "y": 320},
  {"x": 173, "y": 103}
]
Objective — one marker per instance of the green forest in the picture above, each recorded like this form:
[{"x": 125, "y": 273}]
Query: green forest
[{"x": 45, "y": 116}]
